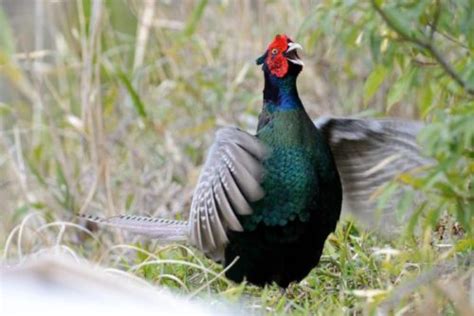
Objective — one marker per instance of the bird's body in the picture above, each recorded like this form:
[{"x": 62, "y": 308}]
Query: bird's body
[
  {"x": 284, "y": 236},
  {"x": 266, "y": 203}
]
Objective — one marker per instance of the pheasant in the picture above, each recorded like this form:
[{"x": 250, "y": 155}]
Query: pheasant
[{"x": 265, "y": 203}]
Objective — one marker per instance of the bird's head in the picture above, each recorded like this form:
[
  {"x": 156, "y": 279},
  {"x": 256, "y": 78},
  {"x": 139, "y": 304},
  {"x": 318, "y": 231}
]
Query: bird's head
[{"x": 281, "y": 57}]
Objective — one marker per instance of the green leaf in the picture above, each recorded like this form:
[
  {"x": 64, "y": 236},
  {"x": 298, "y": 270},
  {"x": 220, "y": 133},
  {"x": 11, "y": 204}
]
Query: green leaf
[
  {"x": 374, "y": 44},
  {"x": 465, "y": 245},
  {"x": 193, "y": 21},
  {"x": 400, "y": 22},
  {"x": 405, "y": 203},
  {"x": 400, "y": 88},
  {"x": 5, "y": 109},
  {"x": 426, "y": 99},
  {"x": 373, "y": 82},
  {"x": 122, "y": 18},
  {"x": 7, "y": 45},
  {"x": 415, "y": 218},
  {"x": 129, "y": 201},
  {"x": 136, "y": 100}
]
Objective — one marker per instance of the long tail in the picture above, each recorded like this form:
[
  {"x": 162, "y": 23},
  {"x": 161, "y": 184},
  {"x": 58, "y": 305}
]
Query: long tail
[{"x": 159, "y": 228}]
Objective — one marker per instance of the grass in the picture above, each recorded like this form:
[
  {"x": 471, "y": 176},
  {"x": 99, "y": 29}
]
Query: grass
[
  {"x": 112, "y": 111},
  {"x": 358, "y": 272}
]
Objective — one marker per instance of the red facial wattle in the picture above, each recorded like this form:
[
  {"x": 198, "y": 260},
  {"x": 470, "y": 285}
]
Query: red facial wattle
[
  {"x": 276, "y": 62},
  {"x": 278, "y": 59}
]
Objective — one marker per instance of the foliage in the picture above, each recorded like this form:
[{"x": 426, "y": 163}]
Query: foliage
[
  {"x": 421, "y": 57},
  {"x": 113, "y": 110}
]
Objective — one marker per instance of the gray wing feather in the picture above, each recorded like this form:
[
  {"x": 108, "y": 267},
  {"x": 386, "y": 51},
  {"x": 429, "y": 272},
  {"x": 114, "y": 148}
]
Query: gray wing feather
[
  {"x": 162, "y": 229},
  {"x": 248, "y": 171},
  {"x": 229, "y": 182},
  {"x": 226, "y": 214},
  {"x": 368, "y": 154},
  {"x": 217, "y": 225}
]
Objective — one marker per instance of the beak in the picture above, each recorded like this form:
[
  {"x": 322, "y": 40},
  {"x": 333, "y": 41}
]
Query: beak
[{"x": 292, "y": 54}]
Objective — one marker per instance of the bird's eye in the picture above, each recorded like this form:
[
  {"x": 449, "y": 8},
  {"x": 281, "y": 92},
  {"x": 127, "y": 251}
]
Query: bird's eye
[{"x": 274, "y": 51}]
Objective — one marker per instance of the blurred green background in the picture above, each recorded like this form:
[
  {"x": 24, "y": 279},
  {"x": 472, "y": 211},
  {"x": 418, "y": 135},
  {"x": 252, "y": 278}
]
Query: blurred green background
[{"x": 108, "y": 107}]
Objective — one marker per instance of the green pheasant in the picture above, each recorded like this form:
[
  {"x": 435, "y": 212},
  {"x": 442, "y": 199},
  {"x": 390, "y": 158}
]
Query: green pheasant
[{"x": 266, "y": 203}]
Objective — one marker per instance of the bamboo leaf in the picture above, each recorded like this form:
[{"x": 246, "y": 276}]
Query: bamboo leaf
[
  {"x": 400, "y": 88},
  {"x": 373, "y": 82}
]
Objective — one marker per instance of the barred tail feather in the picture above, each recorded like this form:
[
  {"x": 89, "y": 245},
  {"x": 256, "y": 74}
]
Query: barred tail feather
[{"x": 159, "y": 228}]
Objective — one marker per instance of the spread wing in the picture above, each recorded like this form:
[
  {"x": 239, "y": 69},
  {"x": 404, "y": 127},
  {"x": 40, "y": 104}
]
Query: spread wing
[
  {"x": 368, "y": 154},
  {"x": 229, "y": 181}
]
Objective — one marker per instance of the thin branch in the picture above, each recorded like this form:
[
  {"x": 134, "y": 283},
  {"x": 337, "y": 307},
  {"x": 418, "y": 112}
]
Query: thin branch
[
  {"x": 425, "y": 44},
  {"x": 452, "y": 39},
  {"x": 449, "y": 69},
  {"x": 423, "y": 63}
]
